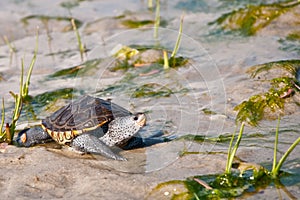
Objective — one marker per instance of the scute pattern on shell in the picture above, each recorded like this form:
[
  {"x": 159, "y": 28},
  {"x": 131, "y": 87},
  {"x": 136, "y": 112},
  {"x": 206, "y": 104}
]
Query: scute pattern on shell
[{"x": 82, "y": 115}]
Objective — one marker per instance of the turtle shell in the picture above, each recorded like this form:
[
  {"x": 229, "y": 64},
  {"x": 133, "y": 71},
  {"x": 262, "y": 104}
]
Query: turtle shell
[{"x": 83, "y": 115}]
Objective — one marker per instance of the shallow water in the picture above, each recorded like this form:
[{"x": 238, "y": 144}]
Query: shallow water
[{"x": 214, "y": 79}]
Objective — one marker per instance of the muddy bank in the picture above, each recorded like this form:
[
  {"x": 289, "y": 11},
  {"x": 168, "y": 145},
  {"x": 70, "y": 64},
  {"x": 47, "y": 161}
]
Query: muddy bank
[{"x": 38, "y": 172}]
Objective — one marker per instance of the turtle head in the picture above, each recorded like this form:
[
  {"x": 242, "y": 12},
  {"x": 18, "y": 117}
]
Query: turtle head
[
  {"x": 31, "y": 136},
  {"x": 121, "y": 129},
  {"x": 22, "y": 139}
]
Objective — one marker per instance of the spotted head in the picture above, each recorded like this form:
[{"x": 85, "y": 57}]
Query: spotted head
[
  {"x": 31, "y": 136},
  {"x": 121, "y": 129}
]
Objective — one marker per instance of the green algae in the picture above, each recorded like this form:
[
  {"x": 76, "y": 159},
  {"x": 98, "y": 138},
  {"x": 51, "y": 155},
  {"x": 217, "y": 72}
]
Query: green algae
[
  {"x": 252, "y": 18},
  {"x": 79, "y": 70},
  {"x": 152, "y": 90},
  {"x": 293, "y": 36},
  {"x": 136, "y": 24},
  {"x": 45, "y": 98},
  {"x": 122, "y": 65},
  {"x": 35, "y": 105},
  {"x": 128, "y": 57},
  {"x": 168, "y": 188},
  {"x": 208, "y": 111},
  {"x": 217, "y": 186},
  {"x": 63, "y": 54},
  {"x": 115, "y": 89},
  {"x": 69, "y": 72},
  {"x": 125, "y": 58},
  {"x": 45, "y": 18},
  {"x": 226, "y": 137},
  {"x": 126, "y": 64},
  {"x": 203, "y": 138},
  {"x": 70, "y": 4},
  {"x": 291, "y": 42},
  {"x": 129, "y": 23},
  {"x": 289, "y": 65},
  {"x": 175, "y": 62},
  {"x": 149, "y": 90},
  {"x": 254, "y": 109}
]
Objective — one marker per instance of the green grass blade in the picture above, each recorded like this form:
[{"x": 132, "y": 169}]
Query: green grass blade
[
  {"x": 166, "y": 60},
  {"x": 178, "y": 39},
  {"x": 275, "y": 172},
  {"x": 27, "y": 83},
  {"x": 22, "y": 76},
  {"x": 12, "y": 49},
  {"x": 276, "y": 145},
  {"x": 80, "y": 44},
  {"x": 18, "y": 98},
  {"x": 2, "y": 119},
  {"x": 18, "y": 107},
  {"x": 150, "y": 4},
  {"x": 196, "y": 196},
  {"x": 157, "y": 19},
  {"x": 228, "y": 167},
  {"x": 236, "y": 146}
]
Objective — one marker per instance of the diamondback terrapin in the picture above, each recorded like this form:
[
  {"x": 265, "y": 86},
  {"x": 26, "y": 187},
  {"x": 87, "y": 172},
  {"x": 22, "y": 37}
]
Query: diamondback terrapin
[{"x": 88, "y": 124}]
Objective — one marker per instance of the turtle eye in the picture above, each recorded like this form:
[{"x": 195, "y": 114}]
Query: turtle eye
[{"x": 135, "y": 118}]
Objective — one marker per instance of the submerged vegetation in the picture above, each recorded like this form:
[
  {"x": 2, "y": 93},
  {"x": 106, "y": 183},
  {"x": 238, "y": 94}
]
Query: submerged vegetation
[
  {"x": 45, "y": 19},
  {"x": 45, "y": 98},
  {"x": 291, "y": 42},
  {"x": 137, "y": 24},
  {"x": 257, "y": 106},
  {"x": 83, "y": 69},
  {"x": 252, "y": 18},
  {"x": 152, "y": 90},
  {"x": 246, "y": 178}
]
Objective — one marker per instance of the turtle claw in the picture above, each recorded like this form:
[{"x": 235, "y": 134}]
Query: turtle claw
[{"x": 91, "y": 144}]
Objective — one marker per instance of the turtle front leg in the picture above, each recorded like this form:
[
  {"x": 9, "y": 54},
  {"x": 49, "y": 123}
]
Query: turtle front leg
[
  {"x": 91, "y": 144},
  {"x": 32, "y": 136}
]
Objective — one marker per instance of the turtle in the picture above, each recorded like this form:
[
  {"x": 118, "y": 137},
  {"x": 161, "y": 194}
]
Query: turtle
[{"x": 88, "y": 124}]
